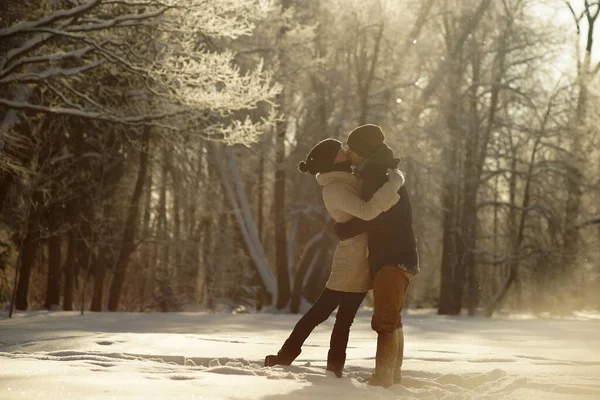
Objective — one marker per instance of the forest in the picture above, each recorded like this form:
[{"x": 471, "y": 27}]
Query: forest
[{"x": 149, "y": 149}]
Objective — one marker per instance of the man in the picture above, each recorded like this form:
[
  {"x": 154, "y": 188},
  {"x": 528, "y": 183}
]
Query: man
[{"x": 392, "y": 249}]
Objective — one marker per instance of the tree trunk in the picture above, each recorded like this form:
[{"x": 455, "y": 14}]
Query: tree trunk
[
  {"x": 465, "y": 268},
  {"x": 311, "y": 253},
  {"x": 99, "y": 273},
  {"x": 183, "y": 274},
  {"x": 194, "y": 225},
  {"x": 281, "y": 260},
  {"x": 145, "y": 259},
  {"x": 54, "y": 272},
  {"x": 281, "y": 264},
  {"x": 127, "y": 246},
  {"x": 465, "y": 272},
  {"x": 85, "y": 245},
  {"x": 317, "y": 277},
  {"x": 207, "y": 269},
  {"x": 70, "y": 268},
  {"x": 74, "y": 231},
  {"x": 163, "y": 271},
  {"x": 100, "y": 264},
  {"x": 28, "y": 253},
  {"x": 6, "y": 181},
  {"x": 446, "y": 301},
  {"x": 502, "y": 293},
  {"x": 450, "y": 202},
  {"x": 261, "y": 195}
]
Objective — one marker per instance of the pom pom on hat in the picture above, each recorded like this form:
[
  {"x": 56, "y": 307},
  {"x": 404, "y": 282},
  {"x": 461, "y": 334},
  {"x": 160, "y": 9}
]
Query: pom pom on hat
[{"x": 303, "y": 167}]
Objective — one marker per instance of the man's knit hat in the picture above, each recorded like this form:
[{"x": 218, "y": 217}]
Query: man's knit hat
[
  {"x": 365, "y": 140},
  {"x": 321, "y": 158}
]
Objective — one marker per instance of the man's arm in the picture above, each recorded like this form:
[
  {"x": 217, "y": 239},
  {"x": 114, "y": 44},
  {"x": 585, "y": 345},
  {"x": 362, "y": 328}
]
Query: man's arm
[
  {"x": 350, "y": 229},
  {"x": 339, "y": 197},
  {"x": 356, "y": 226}
]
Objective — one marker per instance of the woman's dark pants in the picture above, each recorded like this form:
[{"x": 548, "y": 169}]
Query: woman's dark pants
[{"x": 327, "y": 302}]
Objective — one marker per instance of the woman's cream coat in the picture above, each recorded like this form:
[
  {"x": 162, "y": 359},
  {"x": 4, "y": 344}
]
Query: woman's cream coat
[{"x": 341, "y": 195}]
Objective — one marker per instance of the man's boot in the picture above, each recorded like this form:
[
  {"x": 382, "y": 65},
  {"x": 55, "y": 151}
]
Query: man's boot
[
  {"x": 400, "y": 357},
  {"x": 335, "y": 363},
  {"x": 285, "y": 356},
  {"x": 385, "y": 360}
]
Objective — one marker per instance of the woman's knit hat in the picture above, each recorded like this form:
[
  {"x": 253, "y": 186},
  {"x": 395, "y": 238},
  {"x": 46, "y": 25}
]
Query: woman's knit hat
[
  {"x": 365, "y": 140},
  {"x": 321, "y": 158}
]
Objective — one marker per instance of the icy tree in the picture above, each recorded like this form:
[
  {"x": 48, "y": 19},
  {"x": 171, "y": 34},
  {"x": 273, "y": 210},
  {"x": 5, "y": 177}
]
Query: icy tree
[{"x": 162, "y": 46}]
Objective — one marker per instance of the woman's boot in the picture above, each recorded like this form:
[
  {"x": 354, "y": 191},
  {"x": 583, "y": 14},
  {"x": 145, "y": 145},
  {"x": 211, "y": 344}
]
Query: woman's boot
[
  {"x": 285, "y": 356},
  {"x": 335, "y": 363}
]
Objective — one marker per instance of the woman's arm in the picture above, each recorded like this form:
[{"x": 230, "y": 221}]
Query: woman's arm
[{"x": 343, "y": 199}]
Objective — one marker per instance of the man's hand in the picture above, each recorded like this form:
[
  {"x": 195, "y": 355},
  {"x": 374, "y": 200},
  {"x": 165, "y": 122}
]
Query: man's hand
[{"x": 350, "y": 229}]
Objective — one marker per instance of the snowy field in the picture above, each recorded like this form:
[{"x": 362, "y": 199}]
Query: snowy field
[{"x": 56, "y": 355}]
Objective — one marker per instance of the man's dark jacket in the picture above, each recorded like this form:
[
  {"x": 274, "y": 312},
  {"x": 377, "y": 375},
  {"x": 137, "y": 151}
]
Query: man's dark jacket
[{"x": 391, "y": 236}]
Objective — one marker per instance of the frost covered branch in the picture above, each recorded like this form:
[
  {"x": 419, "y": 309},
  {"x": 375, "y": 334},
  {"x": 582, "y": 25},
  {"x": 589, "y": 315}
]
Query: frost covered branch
[
  {"x": 136, "y": 120},
  {"x": 91, "y": 57}
]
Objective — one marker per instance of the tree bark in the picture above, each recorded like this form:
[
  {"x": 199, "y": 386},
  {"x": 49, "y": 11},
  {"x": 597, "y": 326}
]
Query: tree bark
[
  {"x": 311, "y": 253},
  {"x": 182, "y": 268},
  {"x": 446, "y": 301},
  {"x": 54, "y": 266},
  {"x": 100, "y": 264},
  {"x": 127, "y": 246},
  {"x": 450, "y": 200},
  {"x": 28, "y": 253},
  {"x": 99, "y": 273},
  {"x": 164, "y": 270},
  {"x": 207, "y": 270},
  {"x": 74, "y": 231},
  {"x": 281, "y": 264},
  {"x": 146, "y": 232},
  {"x": 70, "y": 269},
  {"x": 261, "y": 195},
  {"x": 6, "y": 181},
  {"x": 281, "y": 260}
]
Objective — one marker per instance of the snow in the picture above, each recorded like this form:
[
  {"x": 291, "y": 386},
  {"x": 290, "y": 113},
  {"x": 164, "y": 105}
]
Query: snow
[{"x": 54, "y": 355}]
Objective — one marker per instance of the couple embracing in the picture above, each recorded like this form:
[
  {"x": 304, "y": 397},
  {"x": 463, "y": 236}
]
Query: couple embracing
[{"x": 377, "y": 250}]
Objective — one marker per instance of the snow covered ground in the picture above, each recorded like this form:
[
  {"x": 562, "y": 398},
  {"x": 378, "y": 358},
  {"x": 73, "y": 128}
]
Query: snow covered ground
[{"x": 56, "y": 355}]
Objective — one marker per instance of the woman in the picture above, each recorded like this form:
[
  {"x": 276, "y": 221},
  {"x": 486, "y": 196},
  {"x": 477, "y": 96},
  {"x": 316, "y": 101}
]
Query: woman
[{"x": 350, "y": 279}]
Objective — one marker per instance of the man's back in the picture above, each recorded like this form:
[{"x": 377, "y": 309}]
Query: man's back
[{"x": 391, "y": 236}]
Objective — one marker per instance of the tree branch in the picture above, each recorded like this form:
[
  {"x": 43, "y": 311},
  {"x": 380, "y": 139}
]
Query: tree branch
[
  {"x": 118, "y": 22},
  {"x": 28, "y": 77},
  {"x": 59, "y": 15},
  {"x": 75, "y": 54},
  {"x": 138, "y": 120}
]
